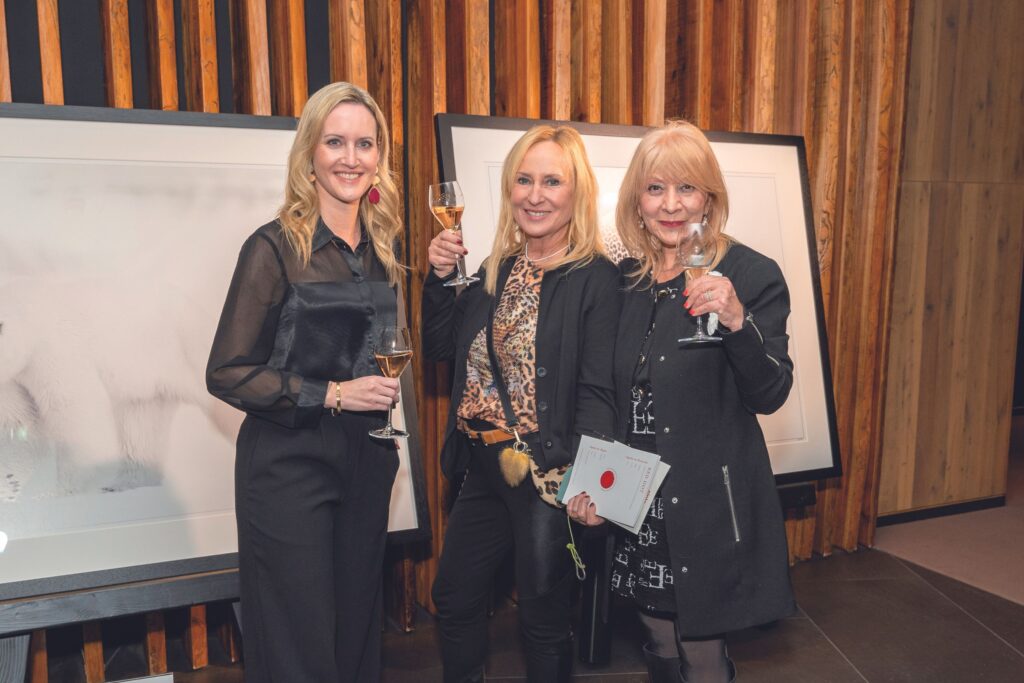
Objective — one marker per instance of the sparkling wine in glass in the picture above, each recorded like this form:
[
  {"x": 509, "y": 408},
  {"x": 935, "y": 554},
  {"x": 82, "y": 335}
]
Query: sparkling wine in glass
[
  {"x": 695, "y": 253},
  {"x": 447, "y": 205},
  {"x": 393, "y": 351}
]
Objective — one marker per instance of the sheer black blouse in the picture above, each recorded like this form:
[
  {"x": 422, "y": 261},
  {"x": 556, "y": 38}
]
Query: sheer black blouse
[{"x": 287, "y": 329}]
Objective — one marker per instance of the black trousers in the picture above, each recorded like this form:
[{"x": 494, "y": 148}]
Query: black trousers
[
  {"x": 312, "y": 512},
  {"x": 489, "y": 521}
]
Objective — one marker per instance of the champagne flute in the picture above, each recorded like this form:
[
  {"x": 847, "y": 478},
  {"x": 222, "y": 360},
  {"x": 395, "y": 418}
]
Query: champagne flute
[
  {"x": 695, "y": 253},
  {"x": 393, "y": 351},
  {"x": 447, "y": 205}
]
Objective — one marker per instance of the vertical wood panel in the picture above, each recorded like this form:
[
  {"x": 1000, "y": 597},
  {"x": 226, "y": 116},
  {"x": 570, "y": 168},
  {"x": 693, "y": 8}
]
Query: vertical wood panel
[
  {"x": 517, "y": 81},
  {"x": 195, "y": 637},
  {"x": 651, "y": 62},
  {"x": 250, "y": 63},
  {"x": 92, "y": 652},
  {"x": 556, "y": 54},
  {"x": 347, "y": 35},
  {"x": 163, "y": 68},
  {"x": 959, "y": 259},
  {"x": 199, "y": 48},
  {"x": 616, "y": 61},
  {"x": 38, "y": 667},
  {"x": 467, "y": 59},
  {"x": 156, "y": 643},
  {"x": 51, "y": 70},
  {"x": 5, "y": 64},
  {"x": 426, "y": 91},
  {"x": 587, "y": 39},
  {"x": 117, "y": 53},
  {"x": 726, "y": 84},
  {"x": 765, "y": 65},
  {"x": 288, "y": 55}
]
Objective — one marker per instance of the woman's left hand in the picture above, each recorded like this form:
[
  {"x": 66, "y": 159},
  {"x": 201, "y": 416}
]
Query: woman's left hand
[
  {"x": 715, "y": 294},
  {"x": 580, "y": 509}
]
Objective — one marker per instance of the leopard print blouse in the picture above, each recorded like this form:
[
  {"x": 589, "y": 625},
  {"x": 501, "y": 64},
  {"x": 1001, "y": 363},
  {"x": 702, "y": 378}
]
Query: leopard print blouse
[{"x": 515, "y": 334}]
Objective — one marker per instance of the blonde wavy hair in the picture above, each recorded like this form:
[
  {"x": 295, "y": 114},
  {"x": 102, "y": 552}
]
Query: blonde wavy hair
[
  {"x": 301, "y": 209},
  {"x": 677, "y": 152},
  {"x": 584, "y": 233}
]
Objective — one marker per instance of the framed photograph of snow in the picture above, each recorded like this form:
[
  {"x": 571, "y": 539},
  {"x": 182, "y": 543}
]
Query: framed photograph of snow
[{"x": 119, "y": 232}]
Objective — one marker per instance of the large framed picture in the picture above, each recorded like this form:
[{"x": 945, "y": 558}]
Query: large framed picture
[
  {"x": 119, "y": 234},
  {"x": 769, "y": 202}
]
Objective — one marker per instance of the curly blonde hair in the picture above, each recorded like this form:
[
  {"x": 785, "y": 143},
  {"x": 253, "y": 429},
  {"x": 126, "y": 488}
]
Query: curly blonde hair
[
  {"x": 584, "y": 232},
  {"x": 679, "y": 152},
  {"x": 301, "y": 209}
]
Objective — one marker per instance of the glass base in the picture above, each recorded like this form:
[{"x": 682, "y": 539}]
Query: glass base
[
  {"x": 386, "y": 433},
  {"x": 459, "y": 281},
  {"x": 699, "y": 339}
]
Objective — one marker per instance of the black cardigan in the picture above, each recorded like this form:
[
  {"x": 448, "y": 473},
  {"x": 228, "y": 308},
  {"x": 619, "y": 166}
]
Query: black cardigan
[
  {"x": 578, "y": 316},
  {"x": 705, "y": 404}
]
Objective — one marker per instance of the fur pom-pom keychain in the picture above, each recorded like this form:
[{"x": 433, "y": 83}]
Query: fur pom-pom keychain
[{"x": 514, "y": 461}]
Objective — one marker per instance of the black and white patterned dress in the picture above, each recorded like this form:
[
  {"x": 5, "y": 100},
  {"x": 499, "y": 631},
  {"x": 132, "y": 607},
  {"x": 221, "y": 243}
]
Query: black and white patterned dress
[{"x": 642, "y": 569}]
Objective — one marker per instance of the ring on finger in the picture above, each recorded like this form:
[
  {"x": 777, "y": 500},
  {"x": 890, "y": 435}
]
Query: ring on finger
[{"x": 707, "y": 295}]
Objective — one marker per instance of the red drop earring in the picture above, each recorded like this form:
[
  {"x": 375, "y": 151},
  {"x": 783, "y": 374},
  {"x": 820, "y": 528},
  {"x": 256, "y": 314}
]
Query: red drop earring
[{"x": 373, "y": 196}]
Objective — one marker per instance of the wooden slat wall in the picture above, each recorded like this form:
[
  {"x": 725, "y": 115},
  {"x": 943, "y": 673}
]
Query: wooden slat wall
[
  {"x": 288, "y": 56},
  {"x": 52, "y": 72},
  {"x": 117, "y": 53},
  {"x": 958, "y": 259},
  {"x": 199, "y": 47},
  {"x": 5, "y": 64},
  {"x": 163, "y": 70},
  {"x": 831, "y": 70}
]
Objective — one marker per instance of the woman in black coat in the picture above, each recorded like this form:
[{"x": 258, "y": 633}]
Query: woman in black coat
[
  {"x": 549, "y": 301},
  {"x": 711, "y": 556}
]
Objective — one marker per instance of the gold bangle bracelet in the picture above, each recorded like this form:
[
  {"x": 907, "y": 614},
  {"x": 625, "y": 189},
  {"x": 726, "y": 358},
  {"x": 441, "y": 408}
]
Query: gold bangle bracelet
[{"x": 337, "y": 399}]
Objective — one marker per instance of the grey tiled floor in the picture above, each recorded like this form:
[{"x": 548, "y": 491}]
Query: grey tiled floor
[
  {"x": 866, "y": 616},
  {"x": 863, "y": 617}
]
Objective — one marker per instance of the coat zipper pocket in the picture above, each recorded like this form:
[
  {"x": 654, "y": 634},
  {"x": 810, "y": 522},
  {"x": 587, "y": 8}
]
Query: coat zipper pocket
[{"x": 732, "y": 504}]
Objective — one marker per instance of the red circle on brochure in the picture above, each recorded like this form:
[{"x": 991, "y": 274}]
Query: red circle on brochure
[{"x": 607, "y": 479}]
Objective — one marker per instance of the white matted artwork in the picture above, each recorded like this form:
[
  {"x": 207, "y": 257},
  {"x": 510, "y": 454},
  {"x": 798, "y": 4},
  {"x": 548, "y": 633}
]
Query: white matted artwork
[
  {"x": 769, "y": 210},
  {"x": 117, "y": 242}
]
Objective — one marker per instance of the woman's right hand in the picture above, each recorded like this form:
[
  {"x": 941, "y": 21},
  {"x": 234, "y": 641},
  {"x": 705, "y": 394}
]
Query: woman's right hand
[
  {"x": 364, "y": 394},
  {"x": 445, "y": 250}
]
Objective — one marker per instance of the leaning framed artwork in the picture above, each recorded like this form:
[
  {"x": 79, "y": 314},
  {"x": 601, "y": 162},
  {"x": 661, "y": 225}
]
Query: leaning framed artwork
[
  {"x": 769, "y": 200},
  {"x": 119, "y": 233}
]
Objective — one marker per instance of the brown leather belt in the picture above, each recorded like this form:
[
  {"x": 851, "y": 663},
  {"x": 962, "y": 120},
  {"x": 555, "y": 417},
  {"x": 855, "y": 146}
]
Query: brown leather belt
[{"x": 489, "y": 437}]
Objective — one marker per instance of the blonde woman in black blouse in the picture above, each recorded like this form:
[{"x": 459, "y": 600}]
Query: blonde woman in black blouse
[
  {"x": 294, "y": 351},
  {"x": 549, "y": 301}
]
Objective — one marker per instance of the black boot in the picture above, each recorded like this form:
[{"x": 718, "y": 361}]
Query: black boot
[
  {"x": 663, "y": 669},
  {"x": 552, "y": 664}
]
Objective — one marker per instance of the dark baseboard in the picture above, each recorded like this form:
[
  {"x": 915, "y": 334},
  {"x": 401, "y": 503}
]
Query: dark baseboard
[{"x": 942, "y": 511}]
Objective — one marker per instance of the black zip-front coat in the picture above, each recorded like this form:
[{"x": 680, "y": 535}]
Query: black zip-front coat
[
  {"x": 725, "y": 529},
  {"x": 576, "y": 323}
]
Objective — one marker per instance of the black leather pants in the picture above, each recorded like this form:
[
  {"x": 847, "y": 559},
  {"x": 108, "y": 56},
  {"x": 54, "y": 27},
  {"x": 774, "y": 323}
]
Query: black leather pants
[{"x": 491, "y": 524}]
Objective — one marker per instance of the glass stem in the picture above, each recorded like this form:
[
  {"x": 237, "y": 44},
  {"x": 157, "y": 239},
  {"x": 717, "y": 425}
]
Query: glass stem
[
  {"x": 388, "y": 428},
  {"x": 700, "y": 326}
]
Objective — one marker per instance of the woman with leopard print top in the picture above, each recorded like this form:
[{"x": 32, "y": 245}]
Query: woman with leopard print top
[{"x": 550, "y": 301}]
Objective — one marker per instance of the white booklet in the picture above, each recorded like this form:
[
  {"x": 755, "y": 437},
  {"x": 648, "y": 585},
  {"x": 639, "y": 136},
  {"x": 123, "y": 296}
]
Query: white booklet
[{"x": 620, "y": 480}]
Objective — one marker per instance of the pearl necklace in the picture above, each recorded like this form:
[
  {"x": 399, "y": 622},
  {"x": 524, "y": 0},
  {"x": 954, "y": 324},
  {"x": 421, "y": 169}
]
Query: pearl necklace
[{"x": 526, "y": 253}]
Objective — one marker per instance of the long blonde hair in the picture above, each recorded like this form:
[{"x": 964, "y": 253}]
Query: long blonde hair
[
  {"x": 584, "y": 234},
  {"x": 301, "y": 209},
  {"x": 676, "y": 152}
]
